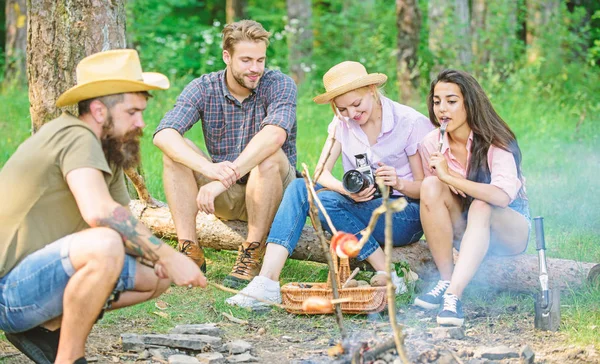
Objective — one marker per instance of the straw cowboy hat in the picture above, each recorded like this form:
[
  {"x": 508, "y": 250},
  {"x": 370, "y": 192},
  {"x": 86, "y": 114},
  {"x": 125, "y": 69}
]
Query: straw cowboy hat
[
  {"x": 111, "y": 72},
  {"x": 347, "y": 76}
]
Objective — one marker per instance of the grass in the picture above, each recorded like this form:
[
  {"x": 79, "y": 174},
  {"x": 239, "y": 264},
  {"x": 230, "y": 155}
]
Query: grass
[{"x": 560, "y": 162}]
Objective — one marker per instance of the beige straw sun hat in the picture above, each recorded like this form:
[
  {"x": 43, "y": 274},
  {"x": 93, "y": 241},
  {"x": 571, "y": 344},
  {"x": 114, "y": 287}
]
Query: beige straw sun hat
[
  {"x": 111, "y": 72},
  {"x": 345, "y": 77}
]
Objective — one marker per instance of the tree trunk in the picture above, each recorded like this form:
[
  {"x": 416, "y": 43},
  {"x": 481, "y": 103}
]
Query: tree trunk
[
  {"x": 16, "y": 42},
  {"x": 299, "y": 36},
  {"x": 463, "y": 33},
  {"x": 61, "y": 33},
  {"x": 517, "y": 273},
  {"x": 235, "y": 10},
  {"x": 409, "y": 27},
  {"x": 478, "y": 21},
  {"x": 541, "y": 14}
]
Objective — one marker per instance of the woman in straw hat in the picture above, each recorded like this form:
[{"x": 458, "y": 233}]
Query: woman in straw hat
[
  {"x": 473, "y": 196},
  {"x": 366, "y": 126}
]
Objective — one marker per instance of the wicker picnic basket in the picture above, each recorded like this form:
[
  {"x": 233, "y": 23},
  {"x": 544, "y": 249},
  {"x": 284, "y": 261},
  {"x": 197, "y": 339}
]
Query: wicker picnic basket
[{"x": 364, "y": 299}]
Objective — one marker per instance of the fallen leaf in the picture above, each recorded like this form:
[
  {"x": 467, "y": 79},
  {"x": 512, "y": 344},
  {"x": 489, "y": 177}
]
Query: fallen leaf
[
  {"x": 161, "y": 305},
  {"x": 161, "y": 314}
]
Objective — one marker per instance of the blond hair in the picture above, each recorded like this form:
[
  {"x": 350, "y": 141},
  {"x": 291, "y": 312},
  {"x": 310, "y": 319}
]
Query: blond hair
[
  {"x": 243, "y": 30},
  {"x": 377, "y": 94}
]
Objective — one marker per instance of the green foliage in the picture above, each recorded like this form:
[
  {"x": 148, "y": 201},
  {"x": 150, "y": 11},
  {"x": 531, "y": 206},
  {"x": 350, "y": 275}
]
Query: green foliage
[{"x": 177, "y": 37}]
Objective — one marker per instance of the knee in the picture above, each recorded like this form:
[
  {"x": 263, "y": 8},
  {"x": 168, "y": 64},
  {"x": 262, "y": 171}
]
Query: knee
[
  {"x": 108, "y": 253},
  {"x": 431, "y": 190},
  {"x": 270, "y": 165},
  {"x": 161, "y": 287},
  {"x": 480, "y": 208}
]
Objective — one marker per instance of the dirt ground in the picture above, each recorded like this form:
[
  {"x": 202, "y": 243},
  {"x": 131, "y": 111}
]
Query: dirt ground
[{"x": 278, "y": 337}]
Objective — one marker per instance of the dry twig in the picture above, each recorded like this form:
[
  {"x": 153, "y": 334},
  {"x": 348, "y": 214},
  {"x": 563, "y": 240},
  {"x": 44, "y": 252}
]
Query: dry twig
[
  {"x": 314, "y": 215},
  {"x": 311, "y": 191},
  {"x": 398, "y": 335},
  {"x": 321, "y": 166},
  {"x": 395, "y": 206},
  {"x": 352, "y": 275},
  {"x": 234, "y": 319}
]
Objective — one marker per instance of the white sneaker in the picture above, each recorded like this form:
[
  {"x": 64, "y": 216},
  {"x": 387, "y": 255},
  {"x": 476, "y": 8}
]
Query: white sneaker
[{"x": 259, "y": 287}]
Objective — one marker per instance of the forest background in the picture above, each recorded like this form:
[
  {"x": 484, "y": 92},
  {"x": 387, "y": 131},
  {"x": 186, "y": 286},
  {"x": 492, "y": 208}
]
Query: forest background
[{"x": 538, "y": 60}]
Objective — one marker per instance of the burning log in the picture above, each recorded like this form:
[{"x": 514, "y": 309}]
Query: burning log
[{"x": 517, "y": 273}]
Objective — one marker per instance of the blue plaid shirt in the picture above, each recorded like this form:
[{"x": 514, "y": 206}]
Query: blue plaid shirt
[{"x": 228, "y": 125}]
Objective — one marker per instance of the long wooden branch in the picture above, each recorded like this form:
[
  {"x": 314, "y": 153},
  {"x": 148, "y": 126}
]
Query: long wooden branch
[{"x": 518, "y": 273}]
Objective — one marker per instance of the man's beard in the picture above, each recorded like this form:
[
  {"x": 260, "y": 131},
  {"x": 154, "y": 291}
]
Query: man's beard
[
  {"x": 239, "y": 78},
  {"x": 124, "y": 151}
]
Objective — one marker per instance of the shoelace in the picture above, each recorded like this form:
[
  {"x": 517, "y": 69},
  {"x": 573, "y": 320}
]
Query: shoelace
[
  {"x": 439, "y": 288},
  {"x": 186, "y": 247},
  {"x": 245, "y": 258},
  {"x": 450, "y": 302}
]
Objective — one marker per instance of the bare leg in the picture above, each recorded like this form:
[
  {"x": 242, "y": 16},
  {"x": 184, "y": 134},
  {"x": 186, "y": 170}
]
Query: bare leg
[
  {"x": 505, "y": 227},
  {"x": 440, "y": 212},
  {"x": 97, "y": 256},
  {"x": 263, "y": 194},
  {"x": 147, "y": 286},
  {"x": 377, "y": 260},
  {"x": 273, "y": 262},
  {"x": 181, "y": 190}
]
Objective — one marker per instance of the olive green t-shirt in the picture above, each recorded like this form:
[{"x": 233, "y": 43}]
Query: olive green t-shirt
[{"x": 37, "y": 206}]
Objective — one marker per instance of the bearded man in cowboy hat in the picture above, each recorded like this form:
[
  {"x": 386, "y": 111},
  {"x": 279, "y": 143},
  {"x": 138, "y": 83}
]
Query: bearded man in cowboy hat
[
  {"x": 248, "y": 116},
  {"x": 69, "y": 247}
]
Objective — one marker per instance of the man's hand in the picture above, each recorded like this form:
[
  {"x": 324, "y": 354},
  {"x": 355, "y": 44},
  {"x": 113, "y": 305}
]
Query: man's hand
[
  {"x": 180, "y": 269},
  {"x": 207, "y": 194},
  {"x": 225, "y": 172}
]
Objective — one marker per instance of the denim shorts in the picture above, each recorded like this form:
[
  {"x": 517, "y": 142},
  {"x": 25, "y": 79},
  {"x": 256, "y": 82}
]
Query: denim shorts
[{"x": 32, "y": 292}]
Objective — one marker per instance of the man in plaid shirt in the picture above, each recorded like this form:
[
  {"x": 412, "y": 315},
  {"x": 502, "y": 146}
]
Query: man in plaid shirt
[{"x": 248, "y": 119}]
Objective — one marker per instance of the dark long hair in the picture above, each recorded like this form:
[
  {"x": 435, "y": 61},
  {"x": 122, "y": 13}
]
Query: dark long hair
[{"x": 487, "y": 126}]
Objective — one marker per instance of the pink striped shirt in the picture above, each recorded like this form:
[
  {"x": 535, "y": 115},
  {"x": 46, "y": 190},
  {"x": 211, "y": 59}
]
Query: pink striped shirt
[{"x": 503, "y": 168}]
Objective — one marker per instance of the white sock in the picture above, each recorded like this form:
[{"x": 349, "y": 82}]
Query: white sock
[{"x": 269, "y": 284}]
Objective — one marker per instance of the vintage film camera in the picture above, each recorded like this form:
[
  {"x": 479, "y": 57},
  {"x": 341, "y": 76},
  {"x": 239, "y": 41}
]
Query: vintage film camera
[{"x": 356, "y": 180}]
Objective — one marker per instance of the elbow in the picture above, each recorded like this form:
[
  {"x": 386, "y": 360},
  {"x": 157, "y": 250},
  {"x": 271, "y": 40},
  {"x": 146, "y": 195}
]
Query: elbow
[
  {"x": 279, "y": 137},
  {"x": 503, "y": 202},
  {"x": 157, "y": 140}
]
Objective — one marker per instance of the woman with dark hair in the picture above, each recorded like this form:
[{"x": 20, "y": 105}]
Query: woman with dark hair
[{"x": 473, "y": 195}]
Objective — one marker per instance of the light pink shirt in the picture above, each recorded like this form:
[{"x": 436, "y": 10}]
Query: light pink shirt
[
  {"x": 401, "y": 131},
  {"x": 503, "y": 168}
]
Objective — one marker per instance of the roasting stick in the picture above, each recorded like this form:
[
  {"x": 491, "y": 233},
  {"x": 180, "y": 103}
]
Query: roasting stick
[
  {"x": 314, "y": 215},
  {"x": 391, "y": 295},
  {"x": 354, "y": 273},
  {"x": 311, "y": 189}
]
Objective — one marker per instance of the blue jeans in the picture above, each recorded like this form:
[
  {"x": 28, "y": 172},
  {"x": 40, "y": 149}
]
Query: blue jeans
[
  {"x": 346, "y": 215},
  {"x": 32, "y": 292}
]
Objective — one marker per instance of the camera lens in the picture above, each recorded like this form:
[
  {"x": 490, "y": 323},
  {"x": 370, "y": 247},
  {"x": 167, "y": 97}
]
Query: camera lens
[{"x": 354, "y": 181}]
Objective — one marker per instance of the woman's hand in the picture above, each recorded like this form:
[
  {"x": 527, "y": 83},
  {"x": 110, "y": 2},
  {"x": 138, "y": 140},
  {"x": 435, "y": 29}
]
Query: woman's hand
[
  {"x": 364, "y": 195},
  {"x": 387, "y": 174},
  {"x": 438, "y": 163}
]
